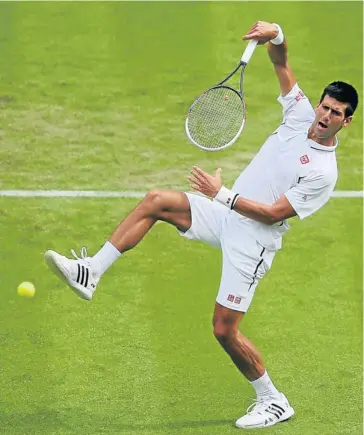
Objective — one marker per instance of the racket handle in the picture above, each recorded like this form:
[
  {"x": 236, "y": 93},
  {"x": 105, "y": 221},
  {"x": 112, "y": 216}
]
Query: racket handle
[{"x": 249, "y": 51}]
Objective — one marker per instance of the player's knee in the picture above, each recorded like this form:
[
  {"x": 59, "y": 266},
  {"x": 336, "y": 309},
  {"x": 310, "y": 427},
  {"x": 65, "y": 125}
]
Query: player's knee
[
  {"x": 224, "y": 332},
  {"x": 155, "y": 199}
]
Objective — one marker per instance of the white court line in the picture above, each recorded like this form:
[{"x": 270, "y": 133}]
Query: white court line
[
  {"x": 348, "y": 194},
  {"x": 71, "y": 194},
  {"x": 121, "y": 194}
]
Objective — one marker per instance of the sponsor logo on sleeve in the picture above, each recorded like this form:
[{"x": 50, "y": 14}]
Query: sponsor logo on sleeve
[
  {"x": 231, "y": 298},
  {"x": 304, "y": 159},
  {"x": 300, "y": 95}
]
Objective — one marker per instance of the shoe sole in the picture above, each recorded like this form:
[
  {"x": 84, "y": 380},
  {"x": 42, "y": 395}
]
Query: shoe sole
[
  {"x": 288, "y": 414},
  {"x": 57, "y": 268}
]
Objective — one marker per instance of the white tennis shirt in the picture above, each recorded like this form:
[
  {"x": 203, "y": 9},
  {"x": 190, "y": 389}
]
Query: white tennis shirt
[{"x": 290, "y": 164}]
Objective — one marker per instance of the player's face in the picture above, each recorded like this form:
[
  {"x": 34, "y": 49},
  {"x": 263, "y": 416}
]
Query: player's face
[{"x": 330, "y": 118}]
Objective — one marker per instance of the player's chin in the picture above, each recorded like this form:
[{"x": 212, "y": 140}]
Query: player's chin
[{"x": 322, "y": 133}]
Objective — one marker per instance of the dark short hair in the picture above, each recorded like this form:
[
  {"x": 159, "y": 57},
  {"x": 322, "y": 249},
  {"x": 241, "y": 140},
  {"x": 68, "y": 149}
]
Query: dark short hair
[{"x": 344, "y": 93}]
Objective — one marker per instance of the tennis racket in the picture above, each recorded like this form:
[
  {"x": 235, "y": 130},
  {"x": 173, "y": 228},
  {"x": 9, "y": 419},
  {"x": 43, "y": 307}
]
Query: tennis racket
[{"x": 216, "y": 118}]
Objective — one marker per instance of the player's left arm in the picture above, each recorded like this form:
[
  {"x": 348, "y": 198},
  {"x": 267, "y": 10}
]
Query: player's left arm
[
  {"x": 211, "y": 185},
  {"x": 267, "y": 214}
]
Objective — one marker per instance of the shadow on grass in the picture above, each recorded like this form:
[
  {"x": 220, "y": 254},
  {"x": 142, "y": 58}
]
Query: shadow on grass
[
  {"x": 179, "y": 425},
  {"x": 49, "y": 421}
]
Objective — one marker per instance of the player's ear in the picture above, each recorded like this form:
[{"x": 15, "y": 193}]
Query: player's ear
[{"x": 347, "y": 121}]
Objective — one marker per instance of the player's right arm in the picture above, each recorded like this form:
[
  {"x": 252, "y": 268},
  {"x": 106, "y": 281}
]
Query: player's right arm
[
  {"x": 265, "y": 32},
  {"x": 297, "y": 110},
  {"x": 278, "y": 56}
]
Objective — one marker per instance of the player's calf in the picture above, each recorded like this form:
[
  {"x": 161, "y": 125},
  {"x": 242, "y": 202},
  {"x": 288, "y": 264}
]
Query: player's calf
[{"x": 242, "y": 352}]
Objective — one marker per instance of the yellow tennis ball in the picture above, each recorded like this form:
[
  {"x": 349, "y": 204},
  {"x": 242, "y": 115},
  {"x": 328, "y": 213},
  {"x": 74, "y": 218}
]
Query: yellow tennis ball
[{"x": 26, "y": 289}]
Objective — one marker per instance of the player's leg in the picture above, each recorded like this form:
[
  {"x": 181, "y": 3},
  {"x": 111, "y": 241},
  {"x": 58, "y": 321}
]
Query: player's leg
[
  {"x": 244, "y": 263},
  {"x": 242, "y": 352},
  {"x": 194, "y": 216},
  {"x": 271, "y": 406},
  {"x": 242, "y": 268},
  {"x": 83, "y": 274},
  {"x": 166, "y": 205}
]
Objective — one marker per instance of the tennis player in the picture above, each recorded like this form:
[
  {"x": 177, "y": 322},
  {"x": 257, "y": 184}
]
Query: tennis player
[{"x": 293, "y": 174}]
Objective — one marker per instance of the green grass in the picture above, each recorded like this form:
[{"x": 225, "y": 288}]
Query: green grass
[
  {"x": 93, "y": 96},
  {"x": 141, "y": 358},
  {"x": 107, "y": 85}
]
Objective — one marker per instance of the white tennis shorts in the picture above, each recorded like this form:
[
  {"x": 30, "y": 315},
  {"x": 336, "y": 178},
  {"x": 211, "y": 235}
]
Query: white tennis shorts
[{"x": 244, "y": 260}]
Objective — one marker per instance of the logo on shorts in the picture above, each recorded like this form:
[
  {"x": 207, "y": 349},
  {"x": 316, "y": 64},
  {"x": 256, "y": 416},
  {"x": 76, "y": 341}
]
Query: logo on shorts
[
  {"x": 235, "y": 299},
  {"x": 304, "y": 159}
]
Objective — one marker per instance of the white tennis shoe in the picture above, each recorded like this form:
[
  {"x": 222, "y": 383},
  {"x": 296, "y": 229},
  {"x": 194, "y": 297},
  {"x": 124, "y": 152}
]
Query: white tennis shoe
[
  {"x": 77, "y": 273},
  {"x": 266, "y": 412}
]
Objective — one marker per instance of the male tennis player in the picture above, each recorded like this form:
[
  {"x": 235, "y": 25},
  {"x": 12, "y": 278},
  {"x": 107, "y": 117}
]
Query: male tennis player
[{"x": 293, "y": 174}]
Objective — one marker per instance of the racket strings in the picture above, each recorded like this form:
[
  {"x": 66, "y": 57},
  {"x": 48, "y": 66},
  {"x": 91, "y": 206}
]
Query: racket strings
[{"x": 216, "y": 118}]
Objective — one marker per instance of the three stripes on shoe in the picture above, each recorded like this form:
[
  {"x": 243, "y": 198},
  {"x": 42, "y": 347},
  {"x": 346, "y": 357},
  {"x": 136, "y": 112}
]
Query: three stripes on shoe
[
  {"x": 275, "y": 410},
  {"x": 82, "y": 275}
]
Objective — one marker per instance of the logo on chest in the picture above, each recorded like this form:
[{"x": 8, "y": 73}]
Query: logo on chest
[{"x": 304, "y": 159}]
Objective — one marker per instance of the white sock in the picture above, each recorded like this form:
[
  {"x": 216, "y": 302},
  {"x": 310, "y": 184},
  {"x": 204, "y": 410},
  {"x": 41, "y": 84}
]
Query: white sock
[
  {"x": 264, "y": 387},
  {"x": 103, "y": 259}
]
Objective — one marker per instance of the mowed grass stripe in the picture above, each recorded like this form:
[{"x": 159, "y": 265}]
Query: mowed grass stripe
[
  {"x": 94, "y": 95},
  {"x": 146, "y": 339},
  {"x": 120, "y": 194}
]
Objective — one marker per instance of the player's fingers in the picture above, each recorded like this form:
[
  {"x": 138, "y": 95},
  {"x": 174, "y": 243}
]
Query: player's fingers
[
  {"x": 254, "y": 26},
  {"x": 200, "y": 172},
  {"x": 194, "y": 180},
  {"x": 197, "y": 176},
  {"x": 252, "y": 29},
  {"x": 196, "y": 169},
  {"x": 252, "y": 35},
  {"x": 249, "y": 32}
]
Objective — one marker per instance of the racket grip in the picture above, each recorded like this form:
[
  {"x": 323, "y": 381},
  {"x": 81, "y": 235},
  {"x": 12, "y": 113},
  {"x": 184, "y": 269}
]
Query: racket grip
[{"x": 249, "y": 51}]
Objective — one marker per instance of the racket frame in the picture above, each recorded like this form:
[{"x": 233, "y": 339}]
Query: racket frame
[
  {"x": 242, "y": 64},
  {"x": 218, "y": 86}
]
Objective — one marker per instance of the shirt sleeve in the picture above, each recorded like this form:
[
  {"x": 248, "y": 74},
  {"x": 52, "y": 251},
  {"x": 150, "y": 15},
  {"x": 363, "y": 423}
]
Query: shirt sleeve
[
  {"x": 311, "y": 193},
  {"x": 296, "y": 107}
]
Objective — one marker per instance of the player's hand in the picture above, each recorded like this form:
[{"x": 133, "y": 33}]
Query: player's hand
[
  {"x": 205, "y": 183},
  {"x": 262, "y": 31}
]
